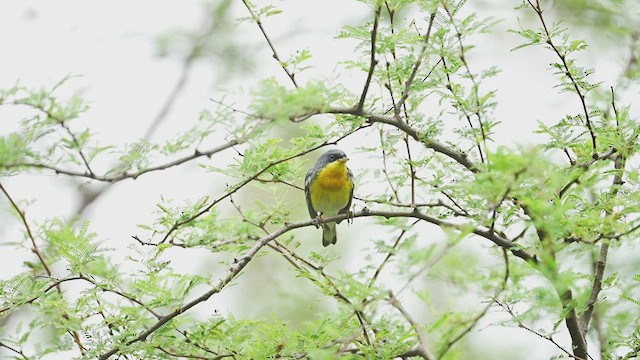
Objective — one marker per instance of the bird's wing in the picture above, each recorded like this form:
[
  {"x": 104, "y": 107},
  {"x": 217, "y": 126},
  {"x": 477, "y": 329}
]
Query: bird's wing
[
  {"x": 307, "y": 186},
  {"x": 353, "y": 186}
]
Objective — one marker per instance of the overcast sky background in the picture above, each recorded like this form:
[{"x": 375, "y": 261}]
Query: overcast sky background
[{"x": 111, "y": 47}]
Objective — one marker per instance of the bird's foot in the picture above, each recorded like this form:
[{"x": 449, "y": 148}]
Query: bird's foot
[
  {"x": 350, "y": 214},
  {"x": 318, "y": 221}
]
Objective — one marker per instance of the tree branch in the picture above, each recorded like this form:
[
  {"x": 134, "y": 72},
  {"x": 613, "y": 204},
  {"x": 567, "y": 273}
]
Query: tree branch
[
  {"x": 23, "y": 218},
  {"x": 373, "y": 61},
  {"x": 578, "y": 340},
  {"x": 454, "y": 154},
  {"x": 475, "y": 86},
  {"x": 423, "y": 351},
  {"x": 35, "y": 250},
  {"x": 240, "y": 263},
  {"x": 521, "y": 325},
  {"x": 601, "y": 263},
  {"x": 416, "y": 66},
  {"x": 14, "y": 350},
  {"x": 567, "y": 71},
  {"x": 244, "y": 182},
  {"x": 258, "y": 22},
  {"x": 484, "y": 311},
  {"x": 125, "y": 175}
]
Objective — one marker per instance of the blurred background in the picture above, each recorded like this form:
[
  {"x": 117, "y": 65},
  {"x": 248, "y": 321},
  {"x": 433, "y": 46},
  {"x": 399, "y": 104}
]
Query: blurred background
[{"x": 149, "y": 68}]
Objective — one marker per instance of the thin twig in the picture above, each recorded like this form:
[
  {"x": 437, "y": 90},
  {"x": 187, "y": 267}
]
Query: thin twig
[
  {"x": 23, "y": 218},
  {"x": 373, "y": 61},
  {"x": 249, "y": 179},
  {"x": 461, "y": 107},
  {"x": 433, "y": 261},
  {"x": 36, "y": 250},
  {"x": 521, "y": 325},
  {"x": 473, "y": 82},
  {"x": 601, "y": 263},
  {"x": 608, "y": 154},
  {"x": 484, "y": 311},
  {"x": 258, "y": 22},
  {"x": 436, "y": 204},
  {"x": 126, "y": 175},
  {"x": 416, "y": 66},
  {"x": 390, "y": 254},
  {"x": 567, "y": 71},
  {"x": 14, "y": 350},
  {"x": 54, "y": 285},
  {"x": 423, "y": 351},
  {"x": 460, "y": 157},
  {"x": 385, "y": 167}
]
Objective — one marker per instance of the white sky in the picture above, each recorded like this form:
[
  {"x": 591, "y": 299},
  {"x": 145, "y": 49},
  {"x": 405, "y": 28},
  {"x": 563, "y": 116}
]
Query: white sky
[{"x": 111, "y": 46}]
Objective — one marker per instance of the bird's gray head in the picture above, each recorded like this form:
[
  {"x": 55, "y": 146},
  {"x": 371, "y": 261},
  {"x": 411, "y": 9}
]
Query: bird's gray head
[{"x": 329, "y": 157}]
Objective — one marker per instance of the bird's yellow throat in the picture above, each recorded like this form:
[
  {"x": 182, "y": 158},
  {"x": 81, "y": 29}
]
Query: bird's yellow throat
[{"x": 334, "y": 176}]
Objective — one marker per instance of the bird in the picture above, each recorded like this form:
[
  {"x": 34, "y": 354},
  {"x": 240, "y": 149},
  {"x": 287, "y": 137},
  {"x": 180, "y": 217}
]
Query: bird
[{"x": 329, "y": 187}]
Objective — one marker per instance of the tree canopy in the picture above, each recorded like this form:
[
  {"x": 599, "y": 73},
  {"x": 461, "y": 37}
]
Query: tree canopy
[{"x": 456, "y": 235}]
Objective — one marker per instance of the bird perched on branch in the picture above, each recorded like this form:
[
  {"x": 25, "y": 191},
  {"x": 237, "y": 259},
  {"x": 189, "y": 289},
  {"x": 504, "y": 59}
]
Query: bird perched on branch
[{"x": 329, "y": 190}]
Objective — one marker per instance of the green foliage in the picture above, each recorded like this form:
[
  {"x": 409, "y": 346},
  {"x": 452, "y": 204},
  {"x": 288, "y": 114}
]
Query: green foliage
[
  {"x": 274, "y": 101},
  {"x": 462, "y": 233}
]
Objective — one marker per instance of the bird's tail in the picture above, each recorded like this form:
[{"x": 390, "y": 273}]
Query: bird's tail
[{"x": 329, "y": 235}]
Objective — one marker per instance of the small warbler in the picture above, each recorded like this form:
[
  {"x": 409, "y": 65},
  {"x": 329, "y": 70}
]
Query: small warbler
[{"x": 329, "y": 190}]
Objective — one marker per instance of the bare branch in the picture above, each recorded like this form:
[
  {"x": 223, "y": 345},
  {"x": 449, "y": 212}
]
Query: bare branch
[
  {"x": 14, "y": 350},
  {"x": 454, "y": 154},
  {"x": 521, "y": 325},
  {"x": 125, "y": 175},
  {"x": 258, "y": 22},
  {"x": 373, "y": 63},
  {"x": 423, "y": 51},
  {"x": 423, "y": 351}
]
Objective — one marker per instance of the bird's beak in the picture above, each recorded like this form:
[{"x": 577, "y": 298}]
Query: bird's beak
[{"x": 343, "y": 160}]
